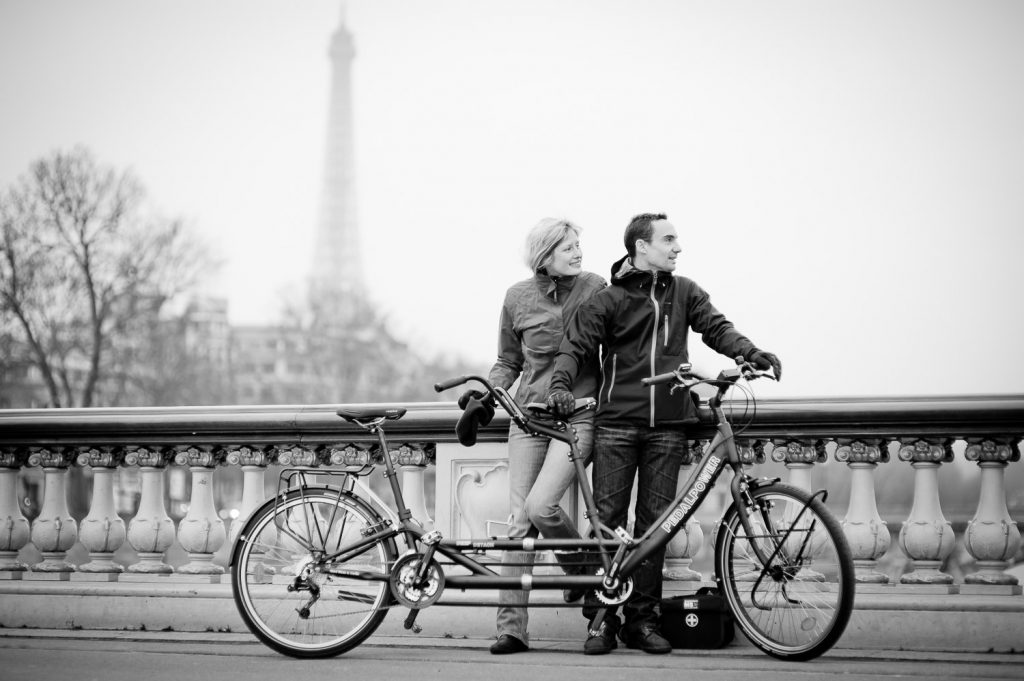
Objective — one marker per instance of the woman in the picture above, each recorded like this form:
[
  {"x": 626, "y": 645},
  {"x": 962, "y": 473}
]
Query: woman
[{"x": 533, "y": 318}]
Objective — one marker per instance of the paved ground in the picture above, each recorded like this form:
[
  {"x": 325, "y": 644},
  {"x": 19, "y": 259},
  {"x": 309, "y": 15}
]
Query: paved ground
[{"x": 52, "y": 655}]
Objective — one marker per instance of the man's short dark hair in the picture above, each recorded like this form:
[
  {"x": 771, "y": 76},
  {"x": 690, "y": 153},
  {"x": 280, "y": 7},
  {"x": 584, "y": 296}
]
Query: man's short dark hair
[{"x": 640, "y": 228}]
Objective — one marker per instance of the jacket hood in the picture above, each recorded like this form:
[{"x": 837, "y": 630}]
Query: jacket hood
[{"x": 624, "y": 271}]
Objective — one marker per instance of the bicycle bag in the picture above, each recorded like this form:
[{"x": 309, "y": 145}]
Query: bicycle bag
[{"x": 700, "y": 620}]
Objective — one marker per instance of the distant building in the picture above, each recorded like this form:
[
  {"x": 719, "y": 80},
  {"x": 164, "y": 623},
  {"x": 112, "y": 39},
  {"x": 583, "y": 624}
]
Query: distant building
[{"x": 335, "y": 350}]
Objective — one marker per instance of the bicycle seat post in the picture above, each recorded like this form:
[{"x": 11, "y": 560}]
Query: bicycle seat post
[{"x": 377, "y": 427}]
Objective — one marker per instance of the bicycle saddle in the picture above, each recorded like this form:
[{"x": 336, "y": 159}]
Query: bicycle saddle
[{"x": 362, "y": 413}]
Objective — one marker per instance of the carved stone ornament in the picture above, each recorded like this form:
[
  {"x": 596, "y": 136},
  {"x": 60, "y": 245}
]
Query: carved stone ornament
[
  {"x": 51, "y": 458},
  {"x": 13, "y": 457},
  {"x": 410, "y": 455},
  {"x": 859, "y": 451},
  {"x": 349, "y": 455},
  {"x": 989, "y": 450},
  {"x": 923, "y": 451},
  {"x": 795, "y": 451},
  {"x": 148, "y": 457},
  {"x": 100, "y": 457},
  {"x": 296, "y": 455},
  {"x": 198, "y": 457},
  {"x": 751, "y": 451},
  {"x": 244, "y": 455}
]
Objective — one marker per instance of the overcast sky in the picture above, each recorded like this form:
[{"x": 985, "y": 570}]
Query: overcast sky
[{"x": 847, "y": 178}]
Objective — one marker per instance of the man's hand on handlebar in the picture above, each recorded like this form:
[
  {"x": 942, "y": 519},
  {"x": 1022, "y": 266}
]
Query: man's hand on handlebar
[
  {"x": 561, "y": 403},
  {"x": 766, "y": 360}
]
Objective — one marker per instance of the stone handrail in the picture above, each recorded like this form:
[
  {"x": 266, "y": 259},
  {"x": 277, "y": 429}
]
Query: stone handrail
[{"x": 791, "y": 432}]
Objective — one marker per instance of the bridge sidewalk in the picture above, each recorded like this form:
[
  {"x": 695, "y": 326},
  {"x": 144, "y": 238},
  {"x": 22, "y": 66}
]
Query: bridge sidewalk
[
  {"x": 231, "y": 641},
  {"x": 897, "y": 618}
]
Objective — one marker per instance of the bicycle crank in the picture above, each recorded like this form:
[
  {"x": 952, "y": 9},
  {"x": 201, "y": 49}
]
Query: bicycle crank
[
  {"x": 618, "y": 595},
  {"x": 409, "y": 589}
]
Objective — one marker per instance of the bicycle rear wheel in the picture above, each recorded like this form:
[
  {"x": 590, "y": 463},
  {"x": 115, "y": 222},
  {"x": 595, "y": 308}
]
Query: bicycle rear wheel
[
  {"x": 796, "y": 604},
  {"x": 294, "y": 599}
]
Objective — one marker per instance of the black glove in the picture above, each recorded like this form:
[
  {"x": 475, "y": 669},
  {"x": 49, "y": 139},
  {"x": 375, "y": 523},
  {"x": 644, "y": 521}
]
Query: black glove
[
  {"x": 561, "y": 403},
  {"x": 766, "y": 360},
  {"x": 476, "y": 412},
  {"x": 467, "y": 396}
]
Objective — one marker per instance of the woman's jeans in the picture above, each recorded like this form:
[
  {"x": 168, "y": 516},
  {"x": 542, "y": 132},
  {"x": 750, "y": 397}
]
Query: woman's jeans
[
  {"x": 539, "y": 472},
  {"x": 653, "y": 456}
]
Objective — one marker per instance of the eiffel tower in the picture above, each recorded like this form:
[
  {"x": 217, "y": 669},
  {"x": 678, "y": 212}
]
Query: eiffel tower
[{"x": 337, "y": 288}]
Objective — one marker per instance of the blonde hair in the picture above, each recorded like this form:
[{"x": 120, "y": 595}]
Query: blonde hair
[{"x": 542, "y": 239}]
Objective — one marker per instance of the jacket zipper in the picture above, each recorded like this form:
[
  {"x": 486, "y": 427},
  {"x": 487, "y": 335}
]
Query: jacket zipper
[
  {"x": 611, "y": 383},
  {"x": 654, "y": 338},
  {"x": 666, "y": 331}
]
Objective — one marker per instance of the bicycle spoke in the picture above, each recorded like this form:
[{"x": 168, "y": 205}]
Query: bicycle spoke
[
  {"x": 796, "y": 605},
  {"x": 290, "y": 597}
]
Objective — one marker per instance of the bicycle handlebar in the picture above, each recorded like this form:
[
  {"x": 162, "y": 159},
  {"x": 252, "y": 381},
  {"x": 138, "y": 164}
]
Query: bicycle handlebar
[
  {"x": 685, "y": 375},
  {"x": 451, "y": 383}
]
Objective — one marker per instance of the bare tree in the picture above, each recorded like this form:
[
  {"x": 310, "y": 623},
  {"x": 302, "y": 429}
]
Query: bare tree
[{"x": 85, "y": 270}]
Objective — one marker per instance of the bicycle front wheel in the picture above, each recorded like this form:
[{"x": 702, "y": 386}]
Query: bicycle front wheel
[
  {"x": 292, "y": 595},
  {"x": 792, "y": 595}
]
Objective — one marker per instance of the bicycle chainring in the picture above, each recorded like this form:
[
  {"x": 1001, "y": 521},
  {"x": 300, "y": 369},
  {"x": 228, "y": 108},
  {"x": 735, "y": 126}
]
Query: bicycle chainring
[
  {"x": 404, "y": 584},
  {"x": 616, "y": 596}
]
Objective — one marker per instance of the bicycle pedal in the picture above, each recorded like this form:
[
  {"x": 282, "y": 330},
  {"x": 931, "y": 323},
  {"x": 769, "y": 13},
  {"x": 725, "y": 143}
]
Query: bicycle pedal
[{"x": 410, "y": 622}]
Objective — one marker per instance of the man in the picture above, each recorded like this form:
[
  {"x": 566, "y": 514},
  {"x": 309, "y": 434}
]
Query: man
[{"x": 641, "y": 324}]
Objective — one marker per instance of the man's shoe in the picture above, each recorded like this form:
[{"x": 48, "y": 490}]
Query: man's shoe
[
  {"x": 507, "y": 644},
  {"x": 600, "y": 642},
  {"x": 647, "y": 638}
]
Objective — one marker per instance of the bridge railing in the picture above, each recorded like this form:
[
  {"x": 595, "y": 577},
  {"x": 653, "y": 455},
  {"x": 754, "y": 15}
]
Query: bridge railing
[{"x": 157, "y": 479}]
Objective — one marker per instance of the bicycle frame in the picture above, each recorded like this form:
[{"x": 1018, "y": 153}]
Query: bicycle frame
[{"x": 620, "y": 554}]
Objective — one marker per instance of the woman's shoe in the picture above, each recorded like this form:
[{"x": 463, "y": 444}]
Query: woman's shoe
[{"x": 507, "y": 644}]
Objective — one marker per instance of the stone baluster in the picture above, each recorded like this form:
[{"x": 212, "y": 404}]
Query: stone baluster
[
  {"x": 750, "y": 453},
  {"x": 151, "y": 531},
  {"x": 54, "y": 532},
  {"x": 866, "y": 532},
  {"x": 411, "y": 460},
  {"x": 684, "y": 547},
  {"x": 799, "y": 457},
  {"x": 992, "y": 537},
  {"x": 254, "y": 464},
  {"x": 15, "y": 529},
  {"x": 102, "y": 531},
  {"x": 926, "y": 536},
  {"x": 201, "y": 532}
]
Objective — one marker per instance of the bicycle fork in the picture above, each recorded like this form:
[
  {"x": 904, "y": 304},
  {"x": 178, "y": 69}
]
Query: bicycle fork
[{"x": 740, "y": 488}]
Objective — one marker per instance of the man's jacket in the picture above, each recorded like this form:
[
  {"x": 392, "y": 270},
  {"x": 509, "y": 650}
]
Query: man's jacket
[{"x": 641, "y": 325}]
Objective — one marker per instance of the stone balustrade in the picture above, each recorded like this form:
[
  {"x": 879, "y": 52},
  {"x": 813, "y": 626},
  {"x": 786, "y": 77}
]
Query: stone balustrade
[{"x": 853, "y": 443}]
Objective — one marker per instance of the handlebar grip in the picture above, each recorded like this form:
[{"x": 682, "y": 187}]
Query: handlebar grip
[
  {"x": 450, "y": 383},
  {"x": 660, "y": 378}
]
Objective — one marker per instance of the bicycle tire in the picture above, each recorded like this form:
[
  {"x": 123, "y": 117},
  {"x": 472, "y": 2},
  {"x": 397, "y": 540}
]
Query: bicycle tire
[
  {"x": 287, "y": 536},
  {"x": 798, "y": 606}
]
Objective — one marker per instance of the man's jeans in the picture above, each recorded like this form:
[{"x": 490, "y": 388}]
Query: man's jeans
[
  {"x": 539, "y": 473},
  {"x": 654, "y": 455}
]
